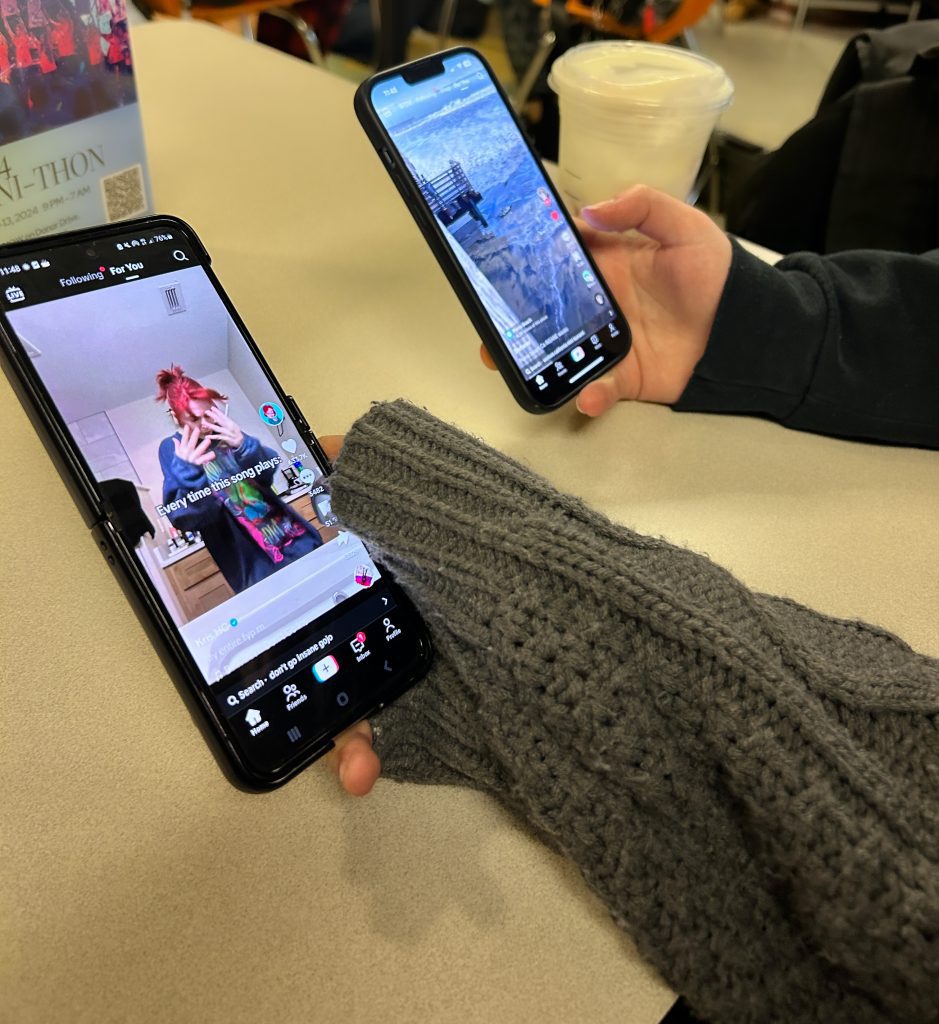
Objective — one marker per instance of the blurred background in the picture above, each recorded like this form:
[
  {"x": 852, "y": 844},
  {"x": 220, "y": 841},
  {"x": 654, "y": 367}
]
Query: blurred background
[{"x": 803, "y": 73}]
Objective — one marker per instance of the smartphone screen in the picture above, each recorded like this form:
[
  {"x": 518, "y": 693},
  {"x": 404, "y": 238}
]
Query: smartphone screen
[
  {"x": 500, "y": 216},
  {"x": 284, "y": 620}
]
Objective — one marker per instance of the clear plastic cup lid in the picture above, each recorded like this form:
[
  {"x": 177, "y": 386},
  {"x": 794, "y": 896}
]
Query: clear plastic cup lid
[{"x": 625, "y": 73}]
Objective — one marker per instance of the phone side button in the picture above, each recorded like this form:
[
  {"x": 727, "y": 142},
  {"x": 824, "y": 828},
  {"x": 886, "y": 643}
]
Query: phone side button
[
  {"x": 297, "y": 414},
  {"x": 99, "y": 532},
  {"x": 388, "y": 158}
]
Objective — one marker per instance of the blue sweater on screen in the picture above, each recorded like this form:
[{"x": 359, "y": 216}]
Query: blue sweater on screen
[{"x": 240, "y": 559}]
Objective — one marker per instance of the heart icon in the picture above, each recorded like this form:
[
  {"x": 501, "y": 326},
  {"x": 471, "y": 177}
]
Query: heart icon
[{"x": 289, "y": 445}]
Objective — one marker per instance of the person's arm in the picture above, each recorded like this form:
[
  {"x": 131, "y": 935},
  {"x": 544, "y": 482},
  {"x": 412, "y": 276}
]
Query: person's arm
[
  {"x": 749, "y": 786},
  {"x": 251, "y": 452},
  {"x": 246, "y": 449},
  {"x": 842, "y": 344},
  {"x": 839, "y": 344},
  {"x": 180, "y": 479}
]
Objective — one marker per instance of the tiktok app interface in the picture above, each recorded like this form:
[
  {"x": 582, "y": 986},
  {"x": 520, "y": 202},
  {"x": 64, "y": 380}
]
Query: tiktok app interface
[
  {"x": 224, "y": 505},
  {"x": 502, "y": 220}
]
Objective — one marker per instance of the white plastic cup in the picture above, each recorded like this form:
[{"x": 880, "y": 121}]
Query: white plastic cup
[{"x": 634, "y": 113}]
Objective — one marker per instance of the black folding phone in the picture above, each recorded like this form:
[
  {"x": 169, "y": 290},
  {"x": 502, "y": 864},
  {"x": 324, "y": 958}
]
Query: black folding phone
[
  {"x": 457, "y": 153},
  {"x": 205, "y": 489}
]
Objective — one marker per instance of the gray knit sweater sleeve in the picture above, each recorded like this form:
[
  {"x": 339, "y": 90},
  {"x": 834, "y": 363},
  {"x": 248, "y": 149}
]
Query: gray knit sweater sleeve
[{"x": 749, "y": 786}]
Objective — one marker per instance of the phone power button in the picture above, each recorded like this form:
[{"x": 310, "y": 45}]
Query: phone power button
[{"x": 388, "y": 158}]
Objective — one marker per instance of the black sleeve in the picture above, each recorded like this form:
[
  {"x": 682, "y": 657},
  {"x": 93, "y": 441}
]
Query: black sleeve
[{"x": 844, "y": 345}]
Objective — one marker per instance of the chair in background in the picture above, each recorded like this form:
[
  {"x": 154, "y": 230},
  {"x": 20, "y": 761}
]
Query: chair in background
[
  {"x": 601, "y": 21},
  {"x": 245, "y": 12},
  {"x": 910, "y": 8},
  {"x": 393, "y": 21},
  {"x": 308, "y": 29},
  {"x": 563, "y": 23}
]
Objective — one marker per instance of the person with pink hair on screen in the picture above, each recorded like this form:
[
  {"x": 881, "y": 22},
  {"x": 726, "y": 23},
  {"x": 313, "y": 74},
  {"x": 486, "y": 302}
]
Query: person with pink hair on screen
[{"x": 246, "y": 527}]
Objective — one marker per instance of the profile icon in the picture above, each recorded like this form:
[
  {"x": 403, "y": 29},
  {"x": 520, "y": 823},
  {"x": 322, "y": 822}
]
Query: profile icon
[{"x": 271, "y": 413}]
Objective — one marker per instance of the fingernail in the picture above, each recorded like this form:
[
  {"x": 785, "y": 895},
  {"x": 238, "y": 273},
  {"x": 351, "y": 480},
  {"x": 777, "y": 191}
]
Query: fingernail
[{"x": 342, "y": 772}]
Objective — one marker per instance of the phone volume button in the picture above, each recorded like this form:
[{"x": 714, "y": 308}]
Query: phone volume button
[
  {"x": 100, "y": 532},
  {"x": 388, "y": 158},
  {"x": 297, "y": 415}
]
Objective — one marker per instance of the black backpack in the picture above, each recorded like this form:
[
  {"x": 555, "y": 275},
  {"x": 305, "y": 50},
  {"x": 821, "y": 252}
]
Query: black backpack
[{"x": 864, "y": 172}]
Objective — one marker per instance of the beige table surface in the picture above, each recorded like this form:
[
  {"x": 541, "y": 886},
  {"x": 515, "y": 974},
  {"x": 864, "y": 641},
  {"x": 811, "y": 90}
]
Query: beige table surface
[{"x": 136, "y": 884}]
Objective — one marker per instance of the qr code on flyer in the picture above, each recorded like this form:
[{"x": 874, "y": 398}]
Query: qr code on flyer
[{"x": 124, "y": 194}]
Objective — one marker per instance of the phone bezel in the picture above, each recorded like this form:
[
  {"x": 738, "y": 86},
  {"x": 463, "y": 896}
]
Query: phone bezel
[
  {"x": 135, "y": 582},
  {"x": 378, "y": 135}
]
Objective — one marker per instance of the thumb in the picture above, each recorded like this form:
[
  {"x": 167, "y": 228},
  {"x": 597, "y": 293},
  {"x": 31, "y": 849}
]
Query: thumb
[
  {"x": 660, "y": 217},
  {"x": 598, "y": 396}
]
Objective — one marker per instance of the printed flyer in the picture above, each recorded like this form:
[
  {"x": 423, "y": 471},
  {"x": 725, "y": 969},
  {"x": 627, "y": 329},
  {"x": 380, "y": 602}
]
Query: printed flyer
[{"x": 71, "y": 142}]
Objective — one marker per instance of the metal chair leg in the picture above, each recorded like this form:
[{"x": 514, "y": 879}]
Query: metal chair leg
[
  {"x": 534, "y": 69},
  {"x": 801, "y": 11},
  {"x": 375, "y": 11},
  {"x": 445, "y": 25},
  {"x": 709, "y": 175},
  {"x": 540, "y": 57},
  {"x": 310, "y": 40}
]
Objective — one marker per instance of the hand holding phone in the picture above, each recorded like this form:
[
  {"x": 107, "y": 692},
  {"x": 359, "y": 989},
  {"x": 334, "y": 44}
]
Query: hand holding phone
[{"x": 448, "y": 137}]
